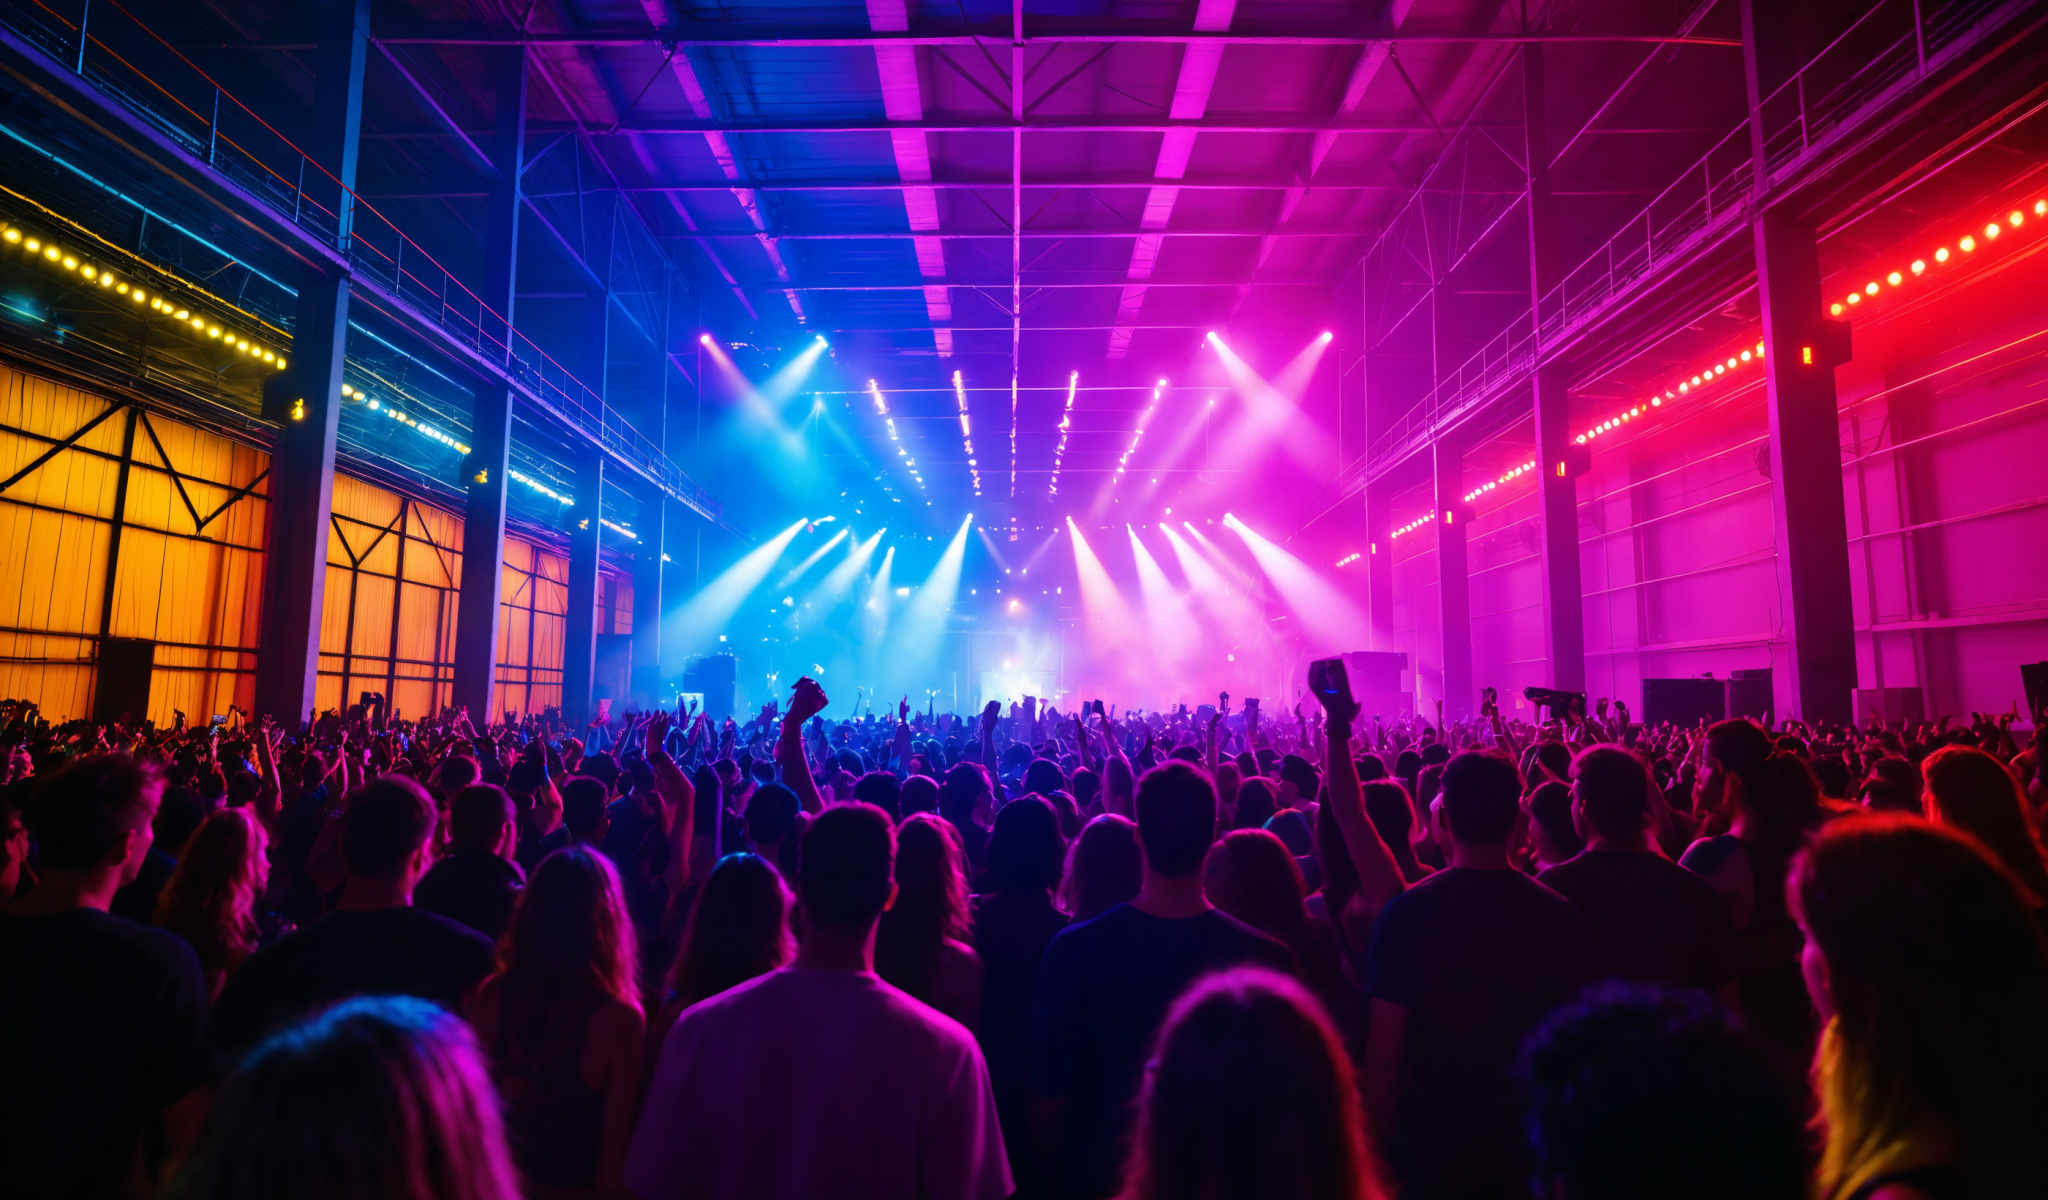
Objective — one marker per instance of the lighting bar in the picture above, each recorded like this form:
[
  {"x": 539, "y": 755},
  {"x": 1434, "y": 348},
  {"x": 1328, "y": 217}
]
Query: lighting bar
[
  {"x": 58, "y": 256},
  {"x": 1144, "y": 419},
  {"x": 966, "y": 435},
  {"x": 1348, "y": 559},
  {"x": 895, "y": 439},
  {"x": 1967, "y": 244},
  {"x": 1066, "y": 427},
  {"x": 619, "y": 529},
  {"x": 1013, "y": 435},
  {"x": 1416, "y": 524},
  {"x": 386, "y": 408},
  {"x": 521, "y": 477}
]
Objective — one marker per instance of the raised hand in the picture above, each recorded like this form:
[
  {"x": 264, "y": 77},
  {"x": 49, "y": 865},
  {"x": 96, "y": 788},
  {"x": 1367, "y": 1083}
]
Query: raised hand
[
  {"x": 806, "y": 700},
  {"x": 657, "y": 732}
]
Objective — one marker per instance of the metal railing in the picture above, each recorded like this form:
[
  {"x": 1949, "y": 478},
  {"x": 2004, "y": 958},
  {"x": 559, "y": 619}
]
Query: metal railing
[
  {"x": 1888, "y": 50},
  {"x": 103, "y": 43}
]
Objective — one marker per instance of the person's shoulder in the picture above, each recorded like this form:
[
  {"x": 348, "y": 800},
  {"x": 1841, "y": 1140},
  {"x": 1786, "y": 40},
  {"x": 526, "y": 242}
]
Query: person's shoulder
[
  {"x": 958, "y": 953},
  {"x": 1104, "y": 926},
  {"x": 431, "y": 929},
  {"x": 920, "y": 1022},
  {"x": 1247, "y": 941}
]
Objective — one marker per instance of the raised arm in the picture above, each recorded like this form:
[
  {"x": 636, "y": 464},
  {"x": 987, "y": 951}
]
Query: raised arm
[
  {"x": 807, "y": 700},
  {"x": 678, "y": 803},
  {"x": 1379, "y": 875}
]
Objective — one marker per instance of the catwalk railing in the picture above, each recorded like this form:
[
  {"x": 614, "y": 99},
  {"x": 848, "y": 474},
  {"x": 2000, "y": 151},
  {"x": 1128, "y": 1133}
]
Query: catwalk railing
[
  {"x": 1886, "y": 53},
  {"x": 103, "y": 44}
]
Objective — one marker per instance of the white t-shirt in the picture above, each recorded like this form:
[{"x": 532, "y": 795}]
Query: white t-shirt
[{"x": 807, "y": 1083}]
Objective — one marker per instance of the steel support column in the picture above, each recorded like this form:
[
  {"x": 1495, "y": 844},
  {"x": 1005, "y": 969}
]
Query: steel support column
[
  {"x": 1379, "y": 566},
  {"x": 1557, "y": 512},
  {"x": 648, "y": 599},
  {"x": 301, "y": 482},
  {"x": 301, "y": 502},
  {"x": 1817, "y": 676},
  {"x": 1453, "y": 583},
  {"x": 1815, "y": 680},
  {"x": 488, "y": 467},
  {"x": 579, "y": 637}
]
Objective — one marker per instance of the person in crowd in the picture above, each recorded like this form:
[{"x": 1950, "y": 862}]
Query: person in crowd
[
  {"x": 561, "y": 1019},
  {"x": 1106, "y": 984},
  {"x": 586, "y": 813},
  {"x": 1923, "y": 955},
  {"x": 1773, "y": 806},
  {"x": 1637, "y": 1091},
  {"x": 1392, "y": 812},
  {"x": 1250, "y": 875},
  {"x": 922, "y": 945},
  {"x": 375, "y": 942},
  {"x": 1892, "y": 785},
  {"x": 104, "y": 1018},
  {"x": 1552, "y": 836},
  {"x": 15, "y": 874},
  {"x": 1649, "y": 920},
  {"x": 965, "y": 798},
  {"x": 1249, "y": 1094},
  {"x": 1013, "y": 922},
  {"x": 382, "y": 1096},
  {"x": 1104, "y": 867},
  {"x": 1970, "y": 790},
  {"x": 738, "y": 929},
  {"x": 213, "y": 896},
  {"x": 773, "y": 821},
  {"x": 477, "y": 882},
  {"x": 1461, "y": 967},
  {"x": 920, "y": 793},
  {"x": 819, "y": 1079},
  {"x": 881, "y": 789},
  {"x": 1255, "y": 803}
]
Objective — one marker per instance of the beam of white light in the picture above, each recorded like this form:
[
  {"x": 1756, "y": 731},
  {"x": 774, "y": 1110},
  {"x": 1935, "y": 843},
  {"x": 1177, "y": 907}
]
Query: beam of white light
[
  {"x": 1222, "y": 599},
  {"x": 874, "y": 610},
  {"x": 924, "y": 618},
  {"x": 776, "y": 390},
  {"x": 1166, "y": 610},
  {"x": 810, "y": 560},
  {"x": 1239, "y": 578},
  {"x": 839, "y": 580},
  {"x": 1272, "y": 411},
  {"x": 1323, "y": 611},
  {"x": 1110, "y": 623},
  {"x": 705, "y": 615}
]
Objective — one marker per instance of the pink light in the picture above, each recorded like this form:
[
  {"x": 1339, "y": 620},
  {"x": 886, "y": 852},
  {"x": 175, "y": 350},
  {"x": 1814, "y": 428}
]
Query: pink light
[{"x": 704, "y": 339}]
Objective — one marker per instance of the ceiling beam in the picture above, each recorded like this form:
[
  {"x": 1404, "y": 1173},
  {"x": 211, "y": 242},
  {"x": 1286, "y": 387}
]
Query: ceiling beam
[
  {"x": 1069, "y": 234},
  {"x": 1192, "y": 86},
  {"x": 689, "y": 39},
  {"x": 903, "y": 101}
]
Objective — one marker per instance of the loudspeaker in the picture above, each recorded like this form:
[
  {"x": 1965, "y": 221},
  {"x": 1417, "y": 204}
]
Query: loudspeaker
[
  {"x": 612, "y": 675},
  {"x": 1894, "y": 704},
  {"x": 121, "y": 685},
  {"x": 713, "y": 676},
  {"x": 2034, "y": 679},
  {"x": 1749, "y": 692},
  {"x": 1683, "y": 701}
]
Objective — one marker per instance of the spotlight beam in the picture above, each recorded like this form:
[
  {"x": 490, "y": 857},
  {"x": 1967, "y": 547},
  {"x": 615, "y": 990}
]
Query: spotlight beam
[
  {"x": 810, "y": 560},
  {"x": 1323, "y": 610},
  {"x": 705, "y": 615}
]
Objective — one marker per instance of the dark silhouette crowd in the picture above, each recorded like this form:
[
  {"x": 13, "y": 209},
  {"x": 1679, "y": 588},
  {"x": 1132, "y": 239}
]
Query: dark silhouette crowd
[{"x": 1192, "y": 955}]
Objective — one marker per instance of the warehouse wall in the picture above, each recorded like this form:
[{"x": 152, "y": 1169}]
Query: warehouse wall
[
  {"x": 185, "y": 557},
  {"x": 1944, "y": 419}
]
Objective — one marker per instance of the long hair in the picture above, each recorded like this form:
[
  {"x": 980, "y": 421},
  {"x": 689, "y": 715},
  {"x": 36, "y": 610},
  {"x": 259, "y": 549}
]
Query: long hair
[
  {"x": 210, "y": 900},
  {"x": 570, "y": 938},
  {"x": 1249, "y": 1094},
  {"x": 1970, "y": 790},
  {"x": 1780, "y": 802},
  {"x": 738, "y": 929},
  {"x": 931, "y": 902},
  {"x": 1025, "y": 849},
  {"x": 380, "y": 1096},
  {"x": 1250, "y": 875},
  {"x": 1104, "y": 867},
  {"x": 1937, "y": 977}
]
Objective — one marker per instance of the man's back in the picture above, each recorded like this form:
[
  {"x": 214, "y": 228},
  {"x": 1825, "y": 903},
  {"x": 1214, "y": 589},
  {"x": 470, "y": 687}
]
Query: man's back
[
  {"x": 1476, "y": 958},
  {"x": 475, "y": 887},
  {"x": 388, "y": 951},
  {"x": 105, "y": 1024},
  {"x": 810, "y": 1082},
  {"x": 1103, "y": 991},
  {"x": 1649, "y": 919}
]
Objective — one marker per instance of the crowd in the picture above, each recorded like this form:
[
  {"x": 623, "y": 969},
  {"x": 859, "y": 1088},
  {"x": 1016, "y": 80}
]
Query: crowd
[{"x": 1024, "y": 952}]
